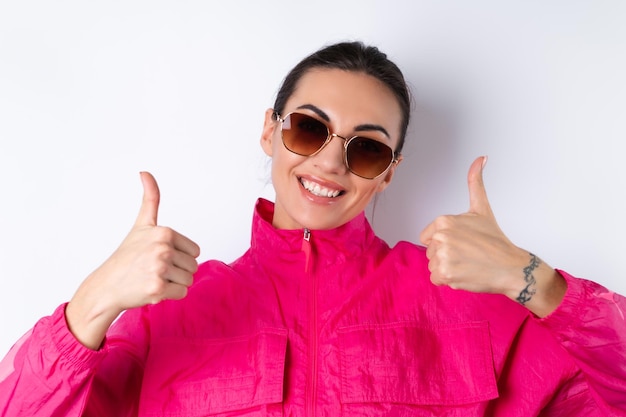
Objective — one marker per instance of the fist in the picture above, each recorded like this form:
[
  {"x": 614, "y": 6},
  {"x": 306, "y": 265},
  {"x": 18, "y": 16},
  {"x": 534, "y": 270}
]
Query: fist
[
  {"x": 469, "y": 251},
  {"x": 153, "y": 263}
]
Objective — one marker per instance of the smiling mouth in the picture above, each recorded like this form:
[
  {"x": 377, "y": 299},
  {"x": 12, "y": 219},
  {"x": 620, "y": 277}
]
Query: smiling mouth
[{"x": 319, "y": 191}]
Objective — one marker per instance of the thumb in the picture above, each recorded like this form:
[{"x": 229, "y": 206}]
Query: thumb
[
  {"x": 479, "y": 203},
  {"x": 150, "y": 204}
]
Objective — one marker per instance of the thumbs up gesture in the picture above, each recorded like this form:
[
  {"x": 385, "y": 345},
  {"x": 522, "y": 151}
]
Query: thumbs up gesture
[
  {"x": 469, "y": 251},
  {"x": 159, "y": 262},
  {"x": 152, "y": 264}
]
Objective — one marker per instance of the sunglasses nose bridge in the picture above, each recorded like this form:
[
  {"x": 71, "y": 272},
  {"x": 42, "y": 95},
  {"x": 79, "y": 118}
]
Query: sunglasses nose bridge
[
  {"x": 329, "y": 139},
  {"x": 327, "y": 142},
  {"x": 334, "y": 135}
]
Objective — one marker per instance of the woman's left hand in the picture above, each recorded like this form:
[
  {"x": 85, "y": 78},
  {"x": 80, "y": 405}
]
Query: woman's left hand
[{"x": 469, "y": 251}]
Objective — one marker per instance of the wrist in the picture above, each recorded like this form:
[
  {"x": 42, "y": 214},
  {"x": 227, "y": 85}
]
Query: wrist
[
  {"x": 539, "y": 287},
  {"x": 89, "y": 317}
]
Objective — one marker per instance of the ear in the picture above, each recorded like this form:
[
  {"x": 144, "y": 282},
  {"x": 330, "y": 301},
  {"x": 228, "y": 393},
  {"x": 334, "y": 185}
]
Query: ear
[
  {"x": 389, "y": 175},
  {"x": 269, "y": 128}
]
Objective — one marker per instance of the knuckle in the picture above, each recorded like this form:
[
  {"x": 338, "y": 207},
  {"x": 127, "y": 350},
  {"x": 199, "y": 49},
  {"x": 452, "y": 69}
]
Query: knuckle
[
  {"x": 454, "y": 285},
  {"x": 444, "y": 222},
  {"x": 445, "y": 255},
  {"x": 166, "y": 254},
  {"x": 445, "y": 280},
  {"x": 154, "y": 289},
  {"x": 156, "y": 300},
  {"x": 164, "y": 233},
  {"x": 162, "y": 251},
  {"x": 445, "y": 275},
  {"x": 436, "y": 279},
  {"x": 160, "y": 269},
  {"x": 441, "y": 238}
]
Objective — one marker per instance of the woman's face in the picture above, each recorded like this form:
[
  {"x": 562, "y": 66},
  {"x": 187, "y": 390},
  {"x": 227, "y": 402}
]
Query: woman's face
[{"x": 354, "y": 104}]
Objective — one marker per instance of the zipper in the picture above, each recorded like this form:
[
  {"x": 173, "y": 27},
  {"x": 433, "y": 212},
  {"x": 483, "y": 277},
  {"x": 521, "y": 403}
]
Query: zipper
[
  {"x": 312, "y": 362},
  {"x": 306, "y": 248}
]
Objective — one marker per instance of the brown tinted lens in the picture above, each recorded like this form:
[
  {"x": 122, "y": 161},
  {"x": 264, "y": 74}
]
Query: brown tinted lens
[
  {"x": 368, "y": 158},
  {"x": 303, "y": 134}
]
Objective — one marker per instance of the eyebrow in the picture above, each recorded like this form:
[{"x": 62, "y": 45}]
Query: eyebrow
[{"x": 367, "y": 127}]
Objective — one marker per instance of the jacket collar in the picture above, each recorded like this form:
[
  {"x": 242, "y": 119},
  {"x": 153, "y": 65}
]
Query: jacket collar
[{"x": 347, "y": 240}]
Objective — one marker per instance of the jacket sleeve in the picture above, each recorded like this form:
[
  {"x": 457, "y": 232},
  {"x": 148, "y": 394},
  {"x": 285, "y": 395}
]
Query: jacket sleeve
[
  {"x": 590, "y": 324},
  {"x": 48, "y": 372}
]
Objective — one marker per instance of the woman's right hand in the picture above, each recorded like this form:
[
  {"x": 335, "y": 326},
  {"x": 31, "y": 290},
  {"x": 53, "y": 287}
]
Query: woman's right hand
[{"x": 152, "y": 264}]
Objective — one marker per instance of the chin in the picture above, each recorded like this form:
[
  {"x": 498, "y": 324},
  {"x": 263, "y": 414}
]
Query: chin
[{"x": 326, "y": 224}]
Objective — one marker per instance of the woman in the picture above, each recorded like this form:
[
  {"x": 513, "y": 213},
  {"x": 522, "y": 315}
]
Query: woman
[{"x": 319, "y": 316}]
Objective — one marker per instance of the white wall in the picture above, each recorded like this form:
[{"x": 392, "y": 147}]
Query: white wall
[{"x": 93, "y": 92}]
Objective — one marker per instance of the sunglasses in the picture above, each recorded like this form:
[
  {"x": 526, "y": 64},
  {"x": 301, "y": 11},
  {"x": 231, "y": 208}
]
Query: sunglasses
[{"x": 305, "y": 135}]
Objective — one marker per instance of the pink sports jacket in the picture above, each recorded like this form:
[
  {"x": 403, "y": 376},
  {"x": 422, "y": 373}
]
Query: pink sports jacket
[{"x": 329, "y": 323}]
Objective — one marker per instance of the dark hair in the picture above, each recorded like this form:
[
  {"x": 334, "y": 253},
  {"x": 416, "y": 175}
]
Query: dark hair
[{"x": 357, "y": 57}]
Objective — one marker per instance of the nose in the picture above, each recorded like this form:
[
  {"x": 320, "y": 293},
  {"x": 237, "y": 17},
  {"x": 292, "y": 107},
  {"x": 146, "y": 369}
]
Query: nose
[{"x": 330, "y": 158}]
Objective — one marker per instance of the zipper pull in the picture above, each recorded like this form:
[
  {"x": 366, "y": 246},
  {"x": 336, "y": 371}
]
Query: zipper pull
[{"x": 306, "y": 248}]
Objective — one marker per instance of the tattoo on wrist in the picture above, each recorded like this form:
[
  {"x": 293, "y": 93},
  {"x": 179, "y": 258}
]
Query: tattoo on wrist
[{"x": 529, "y": 290}]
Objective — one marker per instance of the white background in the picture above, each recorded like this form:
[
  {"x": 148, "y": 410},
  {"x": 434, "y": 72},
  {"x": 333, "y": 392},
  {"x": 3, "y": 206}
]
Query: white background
[{"x": 93, "y": 92}]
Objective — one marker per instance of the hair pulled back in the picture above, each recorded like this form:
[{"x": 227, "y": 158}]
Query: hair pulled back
[{"x": 357, "y": 57}]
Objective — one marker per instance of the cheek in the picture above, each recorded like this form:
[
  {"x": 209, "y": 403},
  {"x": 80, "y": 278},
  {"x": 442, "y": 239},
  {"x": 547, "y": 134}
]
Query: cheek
[
  {"x": 278, "y": 157},
  {"x": 367, "y": 190},
  {"x": 283, "y": 162},
  {"x": 376, "y": 185}
]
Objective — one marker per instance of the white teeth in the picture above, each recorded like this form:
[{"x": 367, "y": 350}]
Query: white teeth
[{"x": 315, "y": 189}]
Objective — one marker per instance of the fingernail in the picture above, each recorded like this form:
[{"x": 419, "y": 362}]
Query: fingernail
[{"x": 485, "y": 158}]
